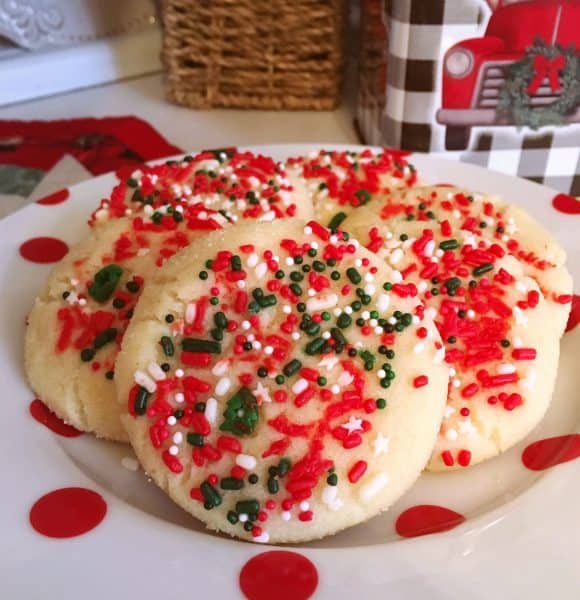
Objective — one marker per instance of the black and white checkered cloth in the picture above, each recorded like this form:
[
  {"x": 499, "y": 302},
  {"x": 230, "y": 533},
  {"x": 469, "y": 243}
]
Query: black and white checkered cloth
[{"x": 400, "y": 111}]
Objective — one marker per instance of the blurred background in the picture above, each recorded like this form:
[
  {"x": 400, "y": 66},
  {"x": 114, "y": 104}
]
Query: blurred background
[{"x": 495, "y": 83}]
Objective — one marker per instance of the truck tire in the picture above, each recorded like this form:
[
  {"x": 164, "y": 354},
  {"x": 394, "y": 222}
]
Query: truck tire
[{"x": 456, "y": 137}]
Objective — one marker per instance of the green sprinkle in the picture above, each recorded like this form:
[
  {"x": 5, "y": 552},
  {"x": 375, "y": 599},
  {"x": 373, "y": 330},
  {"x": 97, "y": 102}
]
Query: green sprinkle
[
  {"x": 292, "y": 367},
  {"x": 105, "y": 283},
  {"x": 478, "y": 271},
  {"x": 505, "y": 343},
  {"x": 322, "y": 381},
  {"x": 220, "y": 320},
  {"x": 273, "y": 486},
  {"x": 217, "y": 334},
  {"x": 449, "y": 245},
  {"x": 381, "y": 403},
  {"x": 214, "y": 300},
  {"x": 195, "y": 439},
  {"x": 210, "y": 494},
  {"x": 325, "y": 316},
  {"x": 387, "y": 286},
  {"x": 105, "y": 337},
  {"x": 283, "y": 467},
  {"x": 167, "y": 345},
  {"x": 231, "y": 483},
  {"x": 280, "y": 379},
  {"x": 343, "y": 321},
  {"x": 141, "y": 401},
  {"x": 247, "y": 506},
  {"x": 315, "y": 346},
  {"x": 332, "y": 479},
  {"x": 452, "y": 283},
  {"x": 318, "y": 266},
  {"x": 241, "y": 414},
  {"x": 132, "y": 182},
  {"x": 336, "y": 221},
  {"x": 87, "y": 354},
  {"x": 132, "y": 286},
  {"x": 253, "y": 478},
  {"x": 232, "y": 517},
  {"x": 296, "y": 289},
  {"x": 336, "y": 334},
  {"x": 353, "y": 275},
  {"x": 236, "y": 263},
  {"x": 363, "y": 195},
  {"x": 197, "y": 345}
]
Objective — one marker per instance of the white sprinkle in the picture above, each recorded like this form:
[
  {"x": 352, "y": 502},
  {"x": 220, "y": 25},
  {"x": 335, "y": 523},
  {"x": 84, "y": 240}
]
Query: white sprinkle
[
  {"x": 369, "y": 277},
  {"x": 308, "y": 230},
  {"x": 311, "y": 292},
  {"x": 348, "y": 310},
  {"x": 374, "y": 486},
  {"x": 419, "y": 347},
  {"x": 381, "y": 373},
  {"x": 396, "y": 256},
  {"x": 337, "y": 312},
  {"x": 246, "y": 325},
  {"x": 82, "y": 302},
  {"x": 335, "y": 389},
  {"x": 381, "y": 444},
  {"x": 379, "y": 330},
  {"x": 366, "y": 315},
  {"x": 321, "y": 303},
  {"x": 261, "y": 270},
  {"x": 415, "y": 320},
  {"x": 173, "y": 450},
  {"x": 156, "y": 371},
  {"x": 241, "y": 284},
  {"x": 429, "y": 248},
  {"x": 130, "y": 463},
  {"x": 256, "y": 345},
  {"x": 220, "y": 368},
  {"x": 422, "y": 286},
  {"x": 211, "y": 407},
  {"x": 391, "y": 320},
  {"x": 304, "y": 505},
  {"x": 451, "y": 434},
  {"x": 456, "y": 383},
  {"x": 289, "y": 261},
  {"x": 300, "y": 386},
  {"x": 521, "y": 287},
  {"x": 326, "y": 335},
  {"x": 286, "y": 309},
  {"x": 330, "y": 497},
  {"x": 253, "y": 260},
  {"x": 177, "y": 437},
  {"x": 517, "y": 342},
  {"x": 295, "y": 335},
  {"x": 286, "y": 515},
  {"x": 530, "y": 381},
  {"x": 171, "y": 420},
  {"x": 246, "y": 461},
  {"x": 145, "y": 381},
  {"x": 179, "y": 373},
  {"x": 431, "y": 312},
  {"x": 452, "y": 372},
  {"x": 383, "y": 302},
  {"x": 373, "y": 322},
  {"x": 397, "y": 277},
  {"x": 345, "y": 379},
  {"x": 243, "y": 517},
  {"x": 471, "y": 314},
  {"x": 466, "y": 427},
  {"x": 506, "y": 368},
  {"x": 449, "y": 410},
  {"x": 263, "y": 538},
  {"x": 268, "y": 350},
  {"x": 521, "y": 319},
  {"x": 223, "y": 385},
  {"x": 190, "y": 312},
  {"x": 179, "y": 398}
]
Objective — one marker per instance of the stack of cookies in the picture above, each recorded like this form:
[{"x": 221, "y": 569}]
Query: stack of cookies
[{"x": 286, "y": 346}]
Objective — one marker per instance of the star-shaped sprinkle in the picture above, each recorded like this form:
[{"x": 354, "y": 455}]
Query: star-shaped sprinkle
[
  {"x": 262, "y": 393},
  {"x": 328, "y": 362},
  {"x": 381, "y": 444},
  {"x": 354, "y": 424}
]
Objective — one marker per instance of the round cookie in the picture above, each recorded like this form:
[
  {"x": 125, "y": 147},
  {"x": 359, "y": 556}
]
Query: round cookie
[
  {"x": 337, "y": 182},
  {"x": 297, "y": 399},
  {"x": 496, "y": 285},
  {"x": 78, "y": 320}
]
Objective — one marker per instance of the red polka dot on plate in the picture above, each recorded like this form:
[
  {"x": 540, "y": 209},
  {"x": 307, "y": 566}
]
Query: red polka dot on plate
[
  {"x": 278, "y": 574},
  {"x": 41, "y": 413},
  {"x": 67, "y": 512},
  {"x": 549, "y": 452},
  {"x": 43, "y": 250},
  {"x": 427, "y": 518},
  {"x": 574, "y": 317},
  {"x": 566, "y": 204},
  {"x": 54, "y": 198}
]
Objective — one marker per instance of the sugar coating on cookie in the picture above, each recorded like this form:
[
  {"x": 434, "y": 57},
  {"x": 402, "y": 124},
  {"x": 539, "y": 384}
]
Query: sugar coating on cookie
[
  {"x": 496, "y": 285},
  {"x": 79, "y": 317},
  {"x": 275, "y": 388},
  {"x": 339, "y": 181}
]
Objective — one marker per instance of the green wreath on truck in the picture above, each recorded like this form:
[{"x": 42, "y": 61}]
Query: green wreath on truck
[{"x": 561, "y": 66}]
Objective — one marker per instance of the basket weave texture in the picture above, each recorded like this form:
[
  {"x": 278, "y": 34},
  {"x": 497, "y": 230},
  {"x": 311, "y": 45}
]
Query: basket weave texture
[{"x": 254, "y": 53}]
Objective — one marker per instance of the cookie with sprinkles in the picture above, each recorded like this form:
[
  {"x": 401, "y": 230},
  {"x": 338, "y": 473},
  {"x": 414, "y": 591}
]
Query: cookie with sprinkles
[
  {"x": 271, "y": 386},
  {"x": 233, "y": 183},
  {"x": 496, "y": 284},
  {"x": 339, "y": 181},
  {"x": 80, "y": 315}
]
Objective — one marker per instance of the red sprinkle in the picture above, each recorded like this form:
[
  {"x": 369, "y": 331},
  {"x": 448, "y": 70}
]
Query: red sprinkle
[
  {"x": 357, "y": 471},
  {"x": 420, "y": 381}
]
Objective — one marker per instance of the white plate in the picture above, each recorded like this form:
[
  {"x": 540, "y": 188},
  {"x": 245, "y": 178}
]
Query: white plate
[{"x": 521, "y": 536}]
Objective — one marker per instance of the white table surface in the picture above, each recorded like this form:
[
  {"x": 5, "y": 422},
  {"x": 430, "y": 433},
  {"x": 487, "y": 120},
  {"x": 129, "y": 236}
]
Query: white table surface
[{"x": 187, "y": 128}]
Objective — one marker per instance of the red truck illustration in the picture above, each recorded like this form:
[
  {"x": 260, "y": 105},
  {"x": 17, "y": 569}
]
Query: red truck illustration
[{"x": 475, "y": 70}]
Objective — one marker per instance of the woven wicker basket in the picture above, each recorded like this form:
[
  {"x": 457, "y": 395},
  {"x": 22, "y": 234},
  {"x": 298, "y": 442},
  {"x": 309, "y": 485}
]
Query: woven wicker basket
[{"x": 254, "y": 53}]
